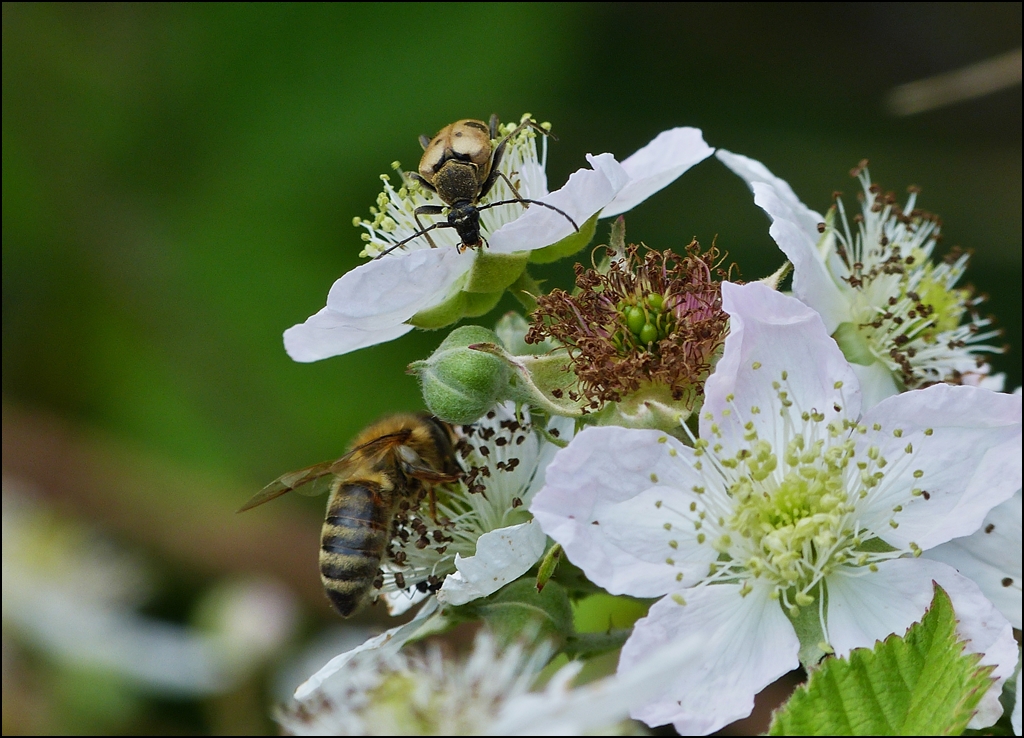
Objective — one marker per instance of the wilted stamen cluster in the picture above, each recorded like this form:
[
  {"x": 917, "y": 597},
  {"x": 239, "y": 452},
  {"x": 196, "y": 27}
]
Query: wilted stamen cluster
[
  {"x": 908, "y": 310},
  {"x": 654, "y": 318}
]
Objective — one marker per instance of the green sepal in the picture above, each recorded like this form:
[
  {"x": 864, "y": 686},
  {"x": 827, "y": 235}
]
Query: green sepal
[
  {"x": 526, "y": 289},
  {"x": 536, "y": 379},
  {"x": 920, "y": 684},
  {"x": 494, "y": 272},
  {"x": 480, "y": 303},
  {"x": 452, "y": 310},
  {"x": 651, "y": 406},
  {"x": 853, "y": 345},
  {"x": 569, "y": 245},
  {"x": 519, "y": 608}
]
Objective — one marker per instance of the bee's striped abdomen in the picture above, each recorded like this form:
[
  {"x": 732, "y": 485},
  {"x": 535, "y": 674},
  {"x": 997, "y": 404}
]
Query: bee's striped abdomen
[{"x": 353, "y": 541}]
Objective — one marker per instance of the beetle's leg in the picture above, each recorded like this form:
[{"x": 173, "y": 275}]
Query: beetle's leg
[
  {"x": 499, "y": 151},
  {"x": 524, "y": 200},
  {"x": 413, "y": 237},
  {"x": 515, "y": 190},
  {"x": 427, "y": 210},
  {"x": 417, "y": 178}
]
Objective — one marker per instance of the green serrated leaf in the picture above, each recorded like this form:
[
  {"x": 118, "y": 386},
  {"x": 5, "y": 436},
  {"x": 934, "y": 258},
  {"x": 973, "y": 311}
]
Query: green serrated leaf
[
  {"x": 1008, "y": 698},
  {"x": 921, "y": 684},
  {"x": 519, "y": 608}
]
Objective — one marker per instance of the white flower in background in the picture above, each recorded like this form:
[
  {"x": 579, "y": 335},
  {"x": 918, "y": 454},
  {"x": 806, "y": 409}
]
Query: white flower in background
[
  {"x": 431, "y": 287},
  {"x": 791, "y": 508},
  {"x": 73, "y": 595},
  {"x": 896, "y": 312},
  {"x": 382, "y": 691},
  {"x": 484, "y": 537},
  {"x": 398, "y": 693}
]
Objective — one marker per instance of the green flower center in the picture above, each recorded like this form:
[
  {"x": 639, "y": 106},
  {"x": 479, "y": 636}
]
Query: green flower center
[
  {"x": 946, "y": 306},
  {"x": 797, "y": 529},
  {"x": 643, "y": 322},
  {"x": 792, "y": 513}
]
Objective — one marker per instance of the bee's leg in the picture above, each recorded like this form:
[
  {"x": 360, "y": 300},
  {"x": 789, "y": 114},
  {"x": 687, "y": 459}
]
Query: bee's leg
[
  {"x": 493, "y": 125},
  {"x": 428, "y": 475},
  {"x": 431, "y": 477},
  {"x": 427, "y": 210},
  {"x": 424, "y": 142},
  {"x": 499, "y": 151}
]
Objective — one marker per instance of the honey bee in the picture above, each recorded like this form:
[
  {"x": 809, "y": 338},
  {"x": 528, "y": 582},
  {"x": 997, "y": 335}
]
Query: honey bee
[
  {"x": 460, "y": 165},
  {"x": 391, "y": 463}
]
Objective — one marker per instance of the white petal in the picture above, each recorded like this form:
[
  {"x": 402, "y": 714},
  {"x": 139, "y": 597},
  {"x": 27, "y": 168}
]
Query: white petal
[
  {"x": 865, "y": 609},
  {"x": 502, "y": 556},
  {"x": 388, "y": 642},
  {"x": 599, "y": 503},
  {"x": 795, "y": 229},
  {"x": 400, "y": 601},
  {"x": 781, "y": 335},
  {"x": 594, "y": 708},
  {"x": 746, "y": 643},
  {"x": 328, "y": 334},
  {"x": 565, "y": 428},
  {"x": 657, "y": 165},
  {"x": 370, "y": 304},
  {"x": 586, "y": 192},
  {"x": 991, "y": 557},
  {"x": 392, "y": 289},
  {"x": 1015, "y": 718},
  {"x": 870, "y": 607},
  {"x": 752, "y": 171},
  {"x": 533, "y": 181},
  {"x": 971, "y": 462},
  {"x": 876, "y": 383}
]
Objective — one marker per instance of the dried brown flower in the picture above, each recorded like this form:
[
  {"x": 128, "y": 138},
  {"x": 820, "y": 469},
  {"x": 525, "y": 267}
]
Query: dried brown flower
[{"x": 652, "y": 318}]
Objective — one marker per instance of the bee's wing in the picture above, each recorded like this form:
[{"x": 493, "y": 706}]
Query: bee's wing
[
  {"x": 319, "y": 478},
  {"x": 311, "y": 475}
]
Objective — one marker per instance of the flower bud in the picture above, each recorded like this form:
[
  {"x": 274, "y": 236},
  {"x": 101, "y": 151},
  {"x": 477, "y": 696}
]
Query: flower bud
[{"x": 459, "y": 384}]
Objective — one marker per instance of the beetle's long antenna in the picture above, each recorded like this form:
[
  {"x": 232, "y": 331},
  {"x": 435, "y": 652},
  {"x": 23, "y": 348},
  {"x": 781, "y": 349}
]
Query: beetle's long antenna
[
  {"x": 531, "y": 202},
  {"x": 441, "y": 224}
]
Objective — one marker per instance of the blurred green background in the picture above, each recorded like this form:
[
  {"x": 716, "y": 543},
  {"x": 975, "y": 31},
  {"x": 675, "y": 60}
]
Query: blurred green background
[{"x": 179, "y": 183}]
